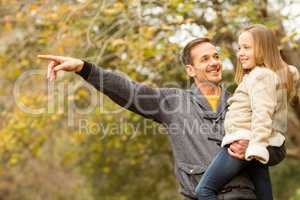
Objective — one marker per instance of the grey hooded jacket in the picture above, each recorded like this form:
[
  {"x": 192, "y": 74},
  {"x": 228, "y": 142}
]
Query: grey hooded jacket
[{"x": 193, "y": 129}]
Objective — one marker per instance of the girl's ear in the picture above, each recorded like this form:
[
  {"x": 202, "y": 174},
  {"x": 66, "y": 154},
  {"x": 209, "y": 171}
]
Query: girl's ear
[{"x": 190, "y": 70}]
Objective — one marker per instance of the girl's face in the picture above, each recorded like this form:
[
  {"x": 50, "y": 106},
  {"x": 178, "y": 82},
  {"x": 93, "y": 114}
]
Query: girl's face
[{"x": 246, "y": 51}]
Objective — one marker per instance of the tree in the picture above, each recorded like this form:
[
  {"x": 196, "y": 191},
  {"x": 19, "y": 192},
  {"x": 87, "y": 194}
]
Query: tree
[{"x": 89, "y": 151}]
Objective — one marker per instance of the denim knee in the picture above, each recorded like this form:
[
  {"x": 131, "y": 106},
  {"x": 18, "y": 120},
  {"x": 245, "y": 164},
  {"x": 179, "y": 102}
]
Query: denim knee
[{"x": 203, "y": 193}]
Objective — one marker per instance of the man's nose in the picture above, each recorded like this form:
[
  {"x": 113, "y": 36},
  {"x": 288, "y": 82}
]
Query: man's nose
[{"x": 214, "y": 61}]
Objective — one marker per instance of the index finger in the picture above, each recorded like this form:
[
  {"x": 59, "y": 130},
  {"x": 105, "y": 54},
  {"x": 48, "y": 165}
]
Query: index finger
[{"x": 51, "y": 57}]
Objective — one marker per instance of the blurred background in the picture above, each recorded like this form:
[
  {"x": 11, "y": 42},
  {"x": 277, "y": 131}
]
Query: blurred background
[{"x": 50, "y": 150}]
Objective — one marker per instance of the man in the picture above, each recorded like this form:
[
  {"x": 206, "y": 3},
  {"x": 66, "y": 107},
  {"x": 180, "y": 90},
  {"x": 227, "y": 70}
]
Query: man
[{"x": 193, "y": 117}]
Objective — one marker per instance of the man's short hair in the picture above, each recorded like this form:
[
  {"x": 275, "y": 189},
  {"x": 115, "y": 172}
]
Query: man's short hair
[{"x": 186, "y": 53}]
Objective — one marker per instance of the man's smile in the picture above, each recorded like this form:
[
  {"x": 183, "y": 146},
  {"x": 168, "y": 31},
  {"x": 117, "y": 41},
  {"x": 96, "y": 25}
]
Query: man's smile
[{"x": 214, "y": 70}]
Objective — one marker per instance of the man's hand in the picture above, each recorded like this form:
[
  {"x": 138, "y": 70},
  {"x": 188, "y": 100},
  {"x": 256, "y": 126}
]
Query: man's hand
[
  {"x": 61, "y": 63},
  {"x": 238, "y": 148}
]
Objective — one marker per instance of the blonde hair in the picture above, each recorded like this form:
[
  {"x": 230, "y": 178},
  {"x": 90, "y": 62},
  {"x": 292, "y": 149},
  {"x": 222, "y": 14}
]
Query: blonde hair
[{"x": 267, "y": 55}]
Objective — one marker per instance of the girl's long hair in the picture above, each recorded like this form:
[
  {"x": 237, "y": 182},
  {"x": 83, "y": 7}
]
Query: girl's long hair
[{"x": 267, "y": 55}]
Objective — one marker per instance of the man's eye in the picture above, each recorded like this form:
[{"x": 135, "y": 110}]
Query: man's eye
[
  {"x": 204, "y": 59},
  {"x": 217, "y": 56}
]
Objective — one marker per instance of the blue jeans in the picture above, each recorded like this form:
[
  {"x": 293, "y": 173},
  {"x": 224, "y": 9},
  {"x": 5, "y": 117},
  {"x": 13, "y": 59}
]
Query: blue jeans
[{"x": 224, "y": 167}]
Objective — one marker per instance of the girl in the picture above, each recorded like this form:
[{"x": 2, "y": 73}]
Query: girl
[{"x": 256, "y": 113}]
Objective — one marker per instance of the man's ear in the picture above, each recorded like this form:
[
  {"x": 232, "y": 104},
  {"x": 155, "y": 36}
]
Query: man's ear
[{"x": 190, "y": 70}]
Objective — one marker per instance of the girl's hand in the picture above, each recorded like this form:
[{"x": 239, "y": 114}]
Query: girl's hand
[
  {"x": 236, "y": 155},
  {"x": 238, "y": 149},
  {"x": 57, "y": 63}
]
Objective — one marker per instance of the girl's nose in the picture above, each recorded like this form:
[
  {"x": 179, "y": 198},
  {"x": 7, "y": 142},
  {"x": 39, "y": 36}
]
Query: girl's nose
[{"x": 240, "y": 53}]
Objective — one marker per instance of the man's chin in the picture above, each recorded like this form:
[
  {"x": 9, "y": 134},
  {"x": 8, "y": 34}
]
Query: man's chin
[{"x": 216, "y": 80}]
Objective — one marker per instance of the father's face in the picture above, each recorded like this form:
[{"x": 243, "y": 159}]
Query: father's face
[{"x": 206, "y": 66}]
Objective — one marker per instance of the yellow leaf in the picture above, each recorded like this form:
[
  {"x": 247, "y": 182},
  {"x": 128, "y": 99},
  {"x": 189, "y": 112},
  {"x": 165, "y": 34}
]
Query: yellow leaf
[
  {"x": 118, "y": 42},
  {"x": 8, "y": 26},
  {"x": 19, "y": 16},
  {"x": 24, "y": 62},
  {"x": 117, "y": 8},
  {"x": 14, "y": 159},
  {"x": 105, "y": 170}
]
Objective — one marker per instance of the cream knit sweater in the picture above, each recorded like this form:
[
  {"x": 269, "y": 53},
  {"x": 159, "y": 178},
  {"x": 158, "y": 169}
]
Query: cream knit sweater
[{"x": 258, "y": 112}]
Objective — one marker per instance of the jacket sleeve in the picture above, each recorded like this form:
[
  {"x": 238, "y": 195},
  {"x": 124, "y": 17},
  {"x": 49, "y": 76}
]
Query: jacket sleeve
[
  {"x": 133, "y": 96},
  {"x": 263, "y": 100}
]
